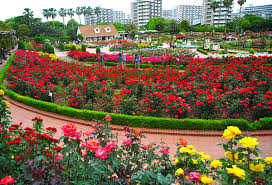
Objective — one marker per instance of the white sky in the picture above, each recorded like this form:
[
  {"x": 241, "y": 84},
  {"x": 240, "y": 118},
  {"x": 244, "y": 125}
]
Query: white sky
[{"x": 11, "y": 8}]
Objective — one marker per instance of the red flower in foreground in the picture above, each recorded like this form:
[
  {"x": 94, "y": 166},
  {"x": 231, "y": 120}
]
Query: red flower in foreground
[
  {"x": 7, "y": 180},
  {"x": 101, "y": 153},
  {"x": 165, "y": 150},
  {"x": 69, "y": 130},
  {"x": 182, "y": 141},
  {"x": 108, "y": 118}
]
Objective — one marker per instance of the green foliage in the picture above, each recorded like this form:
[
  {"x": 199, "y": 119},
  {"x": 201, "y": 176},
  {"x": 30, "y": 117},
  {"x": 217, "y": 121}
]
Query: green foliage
[
  {"x": 252, "y": 51},
  {"x": 156, "y": 24},
  {"x": 23, "y": 31},
  {"x": 83, "y": 47},
  {"x": 29, "y": 46},
  {"x": 173, "y": 27},
  {"x": 80, "y": 37},
  {"x": 21, "y": 44},
  {"x": 201, "y": 49},
  {"x": 184, "y": 24},
  {"x": 48, "y": 48},
  {"x": 62, "y": 46},
  {"x": 98, "y": 50}
]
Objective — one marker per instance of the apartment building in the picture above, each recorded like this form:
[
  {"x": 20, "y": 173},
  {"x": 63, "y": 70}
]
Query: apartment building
[
  {"x": 191, "y": 13},
  {"x": 168, "y": 14},
  {"x": 262, "y": 11},
  {"x": 143, "y": 10},
  {"x": 219, "y": 17}
]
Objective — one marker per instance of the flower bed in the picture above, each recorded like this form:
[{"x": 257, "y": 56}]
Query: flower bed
[
  {"x": 165, "y": 52},
  {"x": 35, "y": 156},
  {"x": 210, "y": 88}
]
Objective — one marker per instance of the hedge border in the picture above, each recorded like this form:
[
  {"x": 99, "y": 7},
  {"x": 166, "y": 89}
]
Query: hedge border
[{"x": 134, "y": 121}]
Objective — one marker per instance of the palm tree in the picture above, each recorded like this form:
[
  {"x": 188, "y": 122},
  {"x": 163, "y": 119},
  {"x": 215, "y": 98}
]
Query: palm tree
[
  {"x": 28, "y": 13},
  {"x": 97, "y": 11},
  {"x": 79, "y": 13},
  {"x": 89, "y": 12},
  {"x": 240, "y": 2},
  {"x": 62, "y": 12},
  {"x": 46, "y": 13},
  {"x": 53, "y": 13},
  {"x": 71, "y": 13},
  {"x": 214, "y": 5},
  {"x": 227, "y": 4}
]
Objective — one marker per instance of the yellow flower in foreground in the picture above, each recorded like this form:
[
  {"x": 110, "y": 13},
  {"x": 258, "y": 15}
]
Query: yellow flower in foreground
[
  {"x": 229, "y": 155},
  {"x": 231, "y": 132},
  {"x": 268, "y": 160},
  {"x": 180, "y": 172},
  {"x": 237, "y": 172},
  {"x": 195, "y": 161},
  {"x": 257, "y": 167},
  {"x": 206, "y": 180},
  {"x": 2, "y": 92},
  {"x": 200, "y": 153},
  {"x": 190, "y": 146},
  {"x": 249, "y": 142},
  {"x": 206, "y": 157},
  {"x": 7, "y": 103},
  {"x": 176, "y": 161},
  {"x": 216, "y": 163}
]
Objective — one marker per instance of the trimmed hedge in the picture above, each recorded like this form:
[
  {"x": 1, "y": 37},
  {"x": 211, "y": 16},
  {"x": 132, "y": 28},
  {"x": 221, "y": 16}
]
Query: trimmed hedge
[
  {"x": 134, "y": 121},
  {"x": 201, "y": 50}
]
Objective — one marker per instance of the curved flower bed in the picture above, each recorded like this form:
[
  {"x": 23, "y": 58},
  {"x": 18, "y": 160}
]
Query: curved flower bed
[
  {"x": 34, "y": 156},
  {"x": 210, "y": 88}
]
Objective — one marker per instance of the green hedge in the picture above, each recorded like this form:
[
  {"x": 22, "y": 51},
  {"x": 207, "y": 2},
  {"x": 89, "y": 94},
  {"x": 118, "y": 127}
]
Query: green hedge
[
  {"x": 201, "y": 50},
  {"x": 51, "y": 38},
  {"x": 134, "y": 121}
]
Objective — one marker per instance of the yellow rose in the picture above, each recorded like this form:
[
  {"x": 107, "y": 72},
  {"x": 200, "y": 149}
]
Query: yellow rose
[
  {"x": 268, "y": 160},
  {"x": 229, "y": 155},
  {"x": 206, "y": 157},
  {"x": 2, "y": 92},
  {"x": 206, "y": 180},
  {"x": 176, "y": 161},
  {"x": 7, "y": 103},
  {"x": 180, "y": 172},
  {"x": 216, "y": 163},
  {"x": 200, "y": 153},
  {"x": 257, "y": 167},
  {"x": 237, "y": 172},
  {"x": 195, "y": 161},
  {"x": 190, "y": 146},
  {"x": 231, "y": 132},
  {"x": 249, "y": 142}
]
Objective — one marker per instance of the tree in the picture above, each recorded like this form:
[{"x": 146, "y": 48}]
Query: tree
[
  {"x": 245, "y": 24},
  {"x": 23, "y": 31},
  {"x": 28, "y": 13},
  {"x": 227, "y": 4},
  {"x": 214, "y": 5},
  {"x": 79, "y": 13},
  {"x": 184, "y": 24},
  {"x": 62, "y": 13},
  {"x": 97, "y": 11},
  {"x": 240, "y": 2},
  {"x": 71, "y": 13},
  {"x": 53, "y": 14},
  {"x": 173, "y": 27},
  {"x": 72, "y": 26},
  {"x": 156, "y": 24},
  {"x": 46, "y": 13}
]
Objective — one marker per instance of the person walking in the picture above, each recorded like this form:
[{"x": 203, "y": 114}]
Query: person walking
[
  {"x": 102, "y": 59},
  {"x": 1, "y": 55},
  {"x": 119, "y": 60},
  {"x": 124, "y": 60},
  {"x": 137, "y": 60}
]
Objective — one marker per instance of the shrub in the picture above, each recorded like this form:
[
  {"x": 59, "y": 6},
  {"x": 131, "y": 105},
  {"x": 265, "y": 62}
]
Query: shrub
[
  {"x": 220, "y": 52},
  {"x": 21, "y": 44},
  {"x": 73, "y": 48},
  {"x": 97, "y": 50},
  {"x": 251, "y": 51},
  {"x": 48, "y": 48},
  {"x": 83, "y": 47},
  {"x": 62, "y": 46}
]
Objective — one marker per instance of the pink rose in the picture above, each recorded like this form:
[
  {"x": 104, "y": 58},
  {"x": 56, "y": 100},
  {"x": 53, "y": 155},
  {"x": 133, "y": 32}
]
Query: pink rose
[{"x": 165, "y": 150}]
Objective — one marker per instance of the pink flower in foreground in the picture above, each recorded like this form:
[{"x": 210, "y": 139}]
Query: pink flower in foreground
[
  {"x": 0, "y": 129},
  {"x": 7, "y": 180},
  {"x": 110, "y": 145},
  {"x": 127, "y": 142},
  {"x": 91, "y": 144},
  {"x": 145, "y": 166},
  {"x": 165, "y": 150},
  {"x": 69, "y": 130},
  {"x": 101, "y": 153},
  {"x": 194, "y": 176},
  {"x": 108, "y": 118},
  {"x": 59, "y": 156}
]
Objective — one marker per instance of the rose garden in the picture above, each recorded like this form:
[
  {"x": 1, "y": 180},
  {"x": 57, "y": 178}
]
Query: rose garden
[{"x": 210, "y": 82}]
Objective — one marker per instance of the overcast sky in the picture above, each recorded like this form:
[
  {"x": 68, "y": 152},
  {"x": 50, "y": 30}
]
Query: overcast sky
[{"x": 11, "y": 8}]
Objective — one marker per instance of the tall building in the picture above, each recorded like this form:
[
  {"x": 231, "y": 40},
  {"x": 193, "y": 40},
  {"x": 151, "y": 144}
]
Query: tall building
[
  {"x": 191, "y": 13},
  {"x": 262, "y": 11},
  {"x": 168, "y": 14},
  {"x": 143, "y": 10},
  {"x": 107, "y": 15},
  {"x": 217, "y": 18}
]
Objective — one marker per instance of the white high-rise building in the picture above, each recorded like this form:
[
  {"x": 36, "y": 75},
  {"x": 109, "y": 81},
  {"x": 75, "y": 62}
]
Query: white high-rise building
[
  {"x": 217, "y": 18},
  {"x": 143, "y": 10},
  {"x": 191, "y": 13},
  {"x": 168, "y": 14}
]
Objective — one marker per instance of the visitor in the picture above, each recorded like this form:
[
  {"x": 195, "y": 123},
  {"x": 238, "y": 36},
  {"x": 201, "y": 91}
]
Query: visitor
[
  {"x": 3, "y": 54},
  {"x": 137, "y": 60},
  {"x": 119, "y": 60},
  {"x": 151, "y": 45},
  {"x": 124, "y": 60},
  {"x": 102, "y": 59},
  {"x": 170, "y": 44}
]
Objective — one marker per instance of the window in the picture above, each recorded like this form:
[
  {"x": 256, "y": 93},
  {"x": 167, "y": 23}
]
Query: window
[
  {"x": 96, "y": 30},
  {"x": 107, "y": 29}
]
